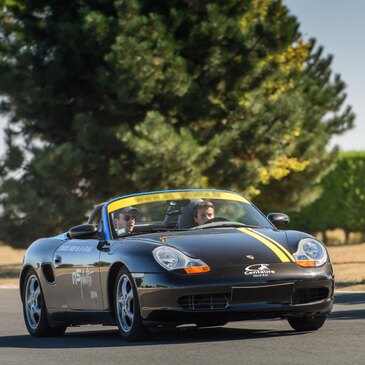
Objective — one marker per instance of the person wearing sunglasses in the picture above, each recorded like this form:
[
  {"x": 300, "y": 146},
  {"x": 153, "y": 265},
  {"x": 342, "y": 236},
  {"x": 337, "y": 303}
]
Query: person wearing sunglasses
[{"x": 125, "y": 220}]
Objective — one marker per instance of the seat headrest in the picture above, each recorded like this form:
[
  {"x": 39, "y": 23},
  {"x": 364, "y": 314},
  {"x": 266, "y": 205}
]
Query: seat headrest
[{"x": 186, "y": 218}]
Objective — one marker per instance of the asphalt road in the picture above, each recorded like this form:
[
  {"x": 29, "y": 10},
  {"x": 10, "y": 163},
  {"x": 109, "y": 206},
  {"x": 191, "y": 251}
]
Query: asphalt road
[{"x": 340, "y": 341}]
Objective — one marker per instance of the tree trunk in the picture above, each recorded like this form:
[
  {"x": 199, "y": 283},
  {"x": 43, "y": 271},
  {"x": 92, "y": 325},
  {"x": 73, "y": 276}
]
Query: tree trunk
[
  {"x": 324, "y": 237},
  {"x": 347, "y": 236}
]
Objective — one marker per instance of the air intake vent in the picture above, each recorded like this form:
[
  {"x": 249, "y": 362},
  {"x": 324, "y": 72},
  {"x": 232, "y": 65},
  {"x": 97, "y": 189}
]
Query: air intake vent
[
  {"x": 204, "y": 302},
  {"x": 303, "y": 296},
  {"x": 48, "y": 273}
]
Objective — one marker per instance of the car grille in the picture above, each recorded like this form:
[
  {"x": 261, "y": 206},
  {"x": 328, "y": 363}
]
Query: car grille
[
  {"x": 207, "y": 301},
  {"x": 303, "y": 296}
]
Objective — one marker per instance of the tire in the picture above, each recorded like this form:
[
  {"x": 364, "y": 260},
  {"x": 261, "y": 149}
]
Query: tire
[
  {"x": 307, "y": 323},
  {"x": 211, "y": 323},
  {"x": 35, "y": 310},
  {"x": 127, "y": 309}
]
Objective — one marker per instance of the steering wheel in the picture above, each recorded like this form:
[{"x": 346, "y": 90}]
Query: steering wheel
[{"x": 217, "y": 219}]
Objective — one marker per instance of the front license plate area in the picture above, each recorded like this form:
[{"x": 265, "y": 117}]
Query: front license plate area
[{"x": 277, "y": 293}]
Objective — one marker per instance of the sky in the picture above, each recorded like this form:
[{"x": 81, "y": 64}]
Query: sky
[{"x": 338, "y": 27}]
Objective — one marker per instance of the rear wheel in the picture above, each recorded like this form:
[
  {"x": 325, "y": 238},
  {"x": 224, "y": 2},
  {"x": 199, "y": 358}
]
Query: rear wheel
[
  {"x": 34, "y": 309},
  {"x": 307, "y": 323},
  {"x": 127, "y": 309}
]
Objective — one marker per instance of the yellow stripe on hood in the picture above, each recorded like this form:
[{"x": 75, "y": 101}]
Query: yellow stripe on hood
[
  {"x": 276, "y": 248},
  {"x": 291, "y": 257}
]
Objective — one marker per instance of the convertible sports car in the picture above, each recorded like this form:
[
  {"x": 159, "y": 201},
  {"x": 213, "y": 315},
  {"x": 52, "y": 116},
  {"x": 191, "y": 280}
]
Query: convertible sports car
[{"x": 183, "y": 256}]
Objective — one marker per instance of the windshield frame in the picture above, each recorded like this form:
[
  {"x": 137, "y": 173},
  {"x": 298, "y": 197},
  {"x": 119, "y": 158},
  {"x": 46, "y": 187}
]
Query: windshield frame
[{"x": 155, "y": 196}]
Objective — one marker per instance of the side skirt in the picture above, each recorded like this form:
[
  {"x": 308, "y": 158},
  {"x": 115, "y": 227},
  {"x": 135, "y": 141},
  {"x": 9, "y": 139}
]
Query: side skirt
[{"x": 71, "y": 318}]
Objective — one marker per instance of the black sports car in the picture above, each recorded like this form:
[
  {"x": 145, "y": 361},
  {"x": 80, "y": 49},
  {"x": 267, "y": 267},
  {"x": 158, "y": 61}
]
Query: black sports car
[{"x": 184, "y": 256}]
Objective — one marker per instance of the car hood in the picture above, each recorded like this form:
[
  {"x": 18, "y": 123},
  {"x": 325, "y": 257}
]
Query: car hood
[{"x": 231, "y": 246}]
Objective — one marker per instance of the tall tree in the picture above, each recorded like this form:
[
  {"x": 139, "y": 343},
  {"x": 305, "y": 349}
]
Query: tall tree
[
  {"x": 341, "y": 204},
  {"x": 109, "y": 97},
  {"x": 319, "y": 114}
]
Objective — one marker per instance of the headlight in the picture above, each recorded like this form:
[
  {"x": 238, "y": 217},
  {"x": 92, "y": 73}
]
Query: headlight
[
  {"x": 173, "y": 259},
  {"x": 310, "y": 253}
]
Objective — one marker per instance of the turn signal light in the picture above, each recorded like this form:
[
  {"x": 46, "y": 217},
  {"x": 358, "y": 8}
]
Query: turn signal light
[
  {"x": 306, "y": 263},
  {"x": 196, "y": 269}
]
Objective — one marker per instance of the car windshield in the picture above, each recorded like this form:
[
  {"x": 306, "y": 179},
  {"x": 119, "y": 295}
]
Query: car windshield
[{"x": 182, "y": 211}]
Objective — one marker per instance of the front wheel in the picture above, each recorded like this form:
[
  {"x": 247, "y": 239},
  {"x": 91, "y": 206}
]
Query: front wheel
[
  {"x": 34, "y": 309},
  {"x": 127, "y": 309},
  {"x": 307, "y": 323}
]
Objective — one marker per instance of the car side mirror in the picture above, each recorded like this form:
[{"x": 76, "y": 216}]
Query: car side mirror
[
  {"x": 83, "y": 231},
  {"x": 279, "y": 220}
]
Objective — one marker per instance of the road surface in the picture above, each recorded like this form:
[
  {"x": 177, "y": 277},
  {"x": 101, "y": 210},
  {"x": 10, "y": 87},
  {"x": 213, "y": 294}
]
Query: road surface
[{"x": 340, "y": 341}]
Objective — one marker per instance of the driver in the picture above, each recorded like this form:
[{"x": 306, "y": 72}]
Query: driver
[
  {"x": 125, "y": 220},
  {"x": 203, "y": 212}
]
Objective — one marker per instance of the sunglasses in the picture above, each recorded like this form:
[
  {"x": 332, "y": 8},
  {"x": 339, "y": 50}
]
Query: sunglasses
[{"x": 129, "y": 217}]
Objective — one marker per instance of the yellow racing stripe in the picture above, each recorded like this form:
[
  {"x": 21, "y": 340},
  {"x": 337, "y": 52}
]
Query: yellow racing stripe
[
  {"x": 291, "y": 257},
  {"x": 172, "y": 195},
  {"x": 274, "y": 248}
]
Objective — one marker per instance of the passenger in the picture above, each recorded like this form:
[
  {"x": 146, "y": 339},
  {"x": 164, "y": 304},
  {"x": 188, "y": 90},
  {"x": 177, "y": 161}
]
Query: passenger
[
  {"x": 125, "y": 220},
  {"x": 203, "y": 212}
]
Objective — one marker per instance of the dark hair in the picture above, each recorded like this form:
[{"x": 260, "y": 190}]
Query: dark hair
[
  {"x": 201, "y": 206},
  {"x": 131, "y": 211}
]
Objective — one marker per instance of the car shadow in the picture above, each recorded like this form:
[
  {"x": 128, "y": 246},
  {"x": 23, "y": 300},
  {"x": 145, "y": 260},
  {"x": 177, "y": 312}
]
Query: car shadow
[
  {"x": 349, "y": 298},
  {"x": 346, "y": 315},
  {"x": 111, "y": 338}
]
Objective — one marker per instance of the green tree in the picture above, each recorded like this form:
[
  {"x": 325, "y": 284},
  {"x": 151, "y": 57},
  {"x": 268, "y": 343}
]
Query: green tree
[
  {"x": 314, "y": 110},
  {"x": 110, "y": 97},
  {"x": 341, "y": 204}
]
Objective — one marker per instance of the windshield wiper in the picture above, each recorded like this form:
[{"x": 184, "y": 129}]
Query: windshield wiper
[
  {"x": 146, "y": 230},
  {"x": 224, "y": 224}
]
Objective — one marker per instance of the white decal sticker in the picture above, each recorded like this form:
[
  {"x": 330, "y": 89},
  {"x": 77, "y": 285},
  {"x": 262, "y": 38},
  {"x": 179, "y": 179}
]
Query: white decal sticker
[
  {"x": 259, "y": 270},
  {"x": 93, "y": 294},
  {"x": 137, "y": 275},
  {"x": 83, "y": 278},
  {"x": 75, "y": 248}
]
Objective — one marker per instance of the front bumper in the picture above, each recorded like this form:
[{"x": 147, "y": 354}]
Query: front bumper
[{"x": 227, "y": 295}]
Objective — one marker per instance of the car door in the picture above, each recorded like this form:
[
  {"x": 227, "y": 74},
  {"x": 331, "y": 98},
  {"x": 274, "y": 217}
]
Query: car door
[{"x": 76, "y": 264}]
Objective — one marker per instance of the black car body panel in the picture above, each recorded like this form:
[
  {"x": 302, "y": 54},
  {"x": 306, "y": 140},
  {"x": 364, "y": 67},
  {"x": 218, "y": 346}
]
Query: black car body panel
[{"x": 253, "y": 274}]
